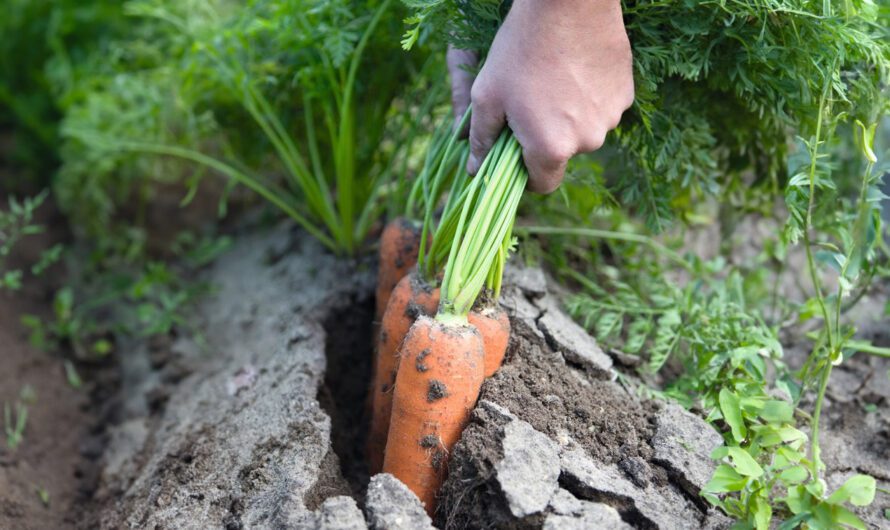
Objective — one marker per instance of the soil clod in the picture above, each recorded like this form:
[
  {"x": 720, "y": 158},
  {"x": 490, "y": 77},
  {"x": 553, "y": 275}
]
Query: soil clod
[
  {"x": 419, "y": 364},
  {"x": 436, "y": 391}
]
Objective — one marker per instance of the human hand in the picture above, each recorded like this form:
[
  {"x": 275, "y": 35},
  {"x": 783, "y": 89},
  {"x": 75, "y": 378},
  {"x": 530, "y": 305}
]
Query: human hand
[{"x": 559, "y": 72}]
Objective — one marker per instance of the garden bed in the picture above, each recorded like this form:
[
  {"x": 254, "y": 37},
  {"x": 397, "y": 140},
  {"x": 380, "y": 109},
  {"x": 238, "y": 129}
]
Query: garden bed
[{"x": 260, "y": 424}]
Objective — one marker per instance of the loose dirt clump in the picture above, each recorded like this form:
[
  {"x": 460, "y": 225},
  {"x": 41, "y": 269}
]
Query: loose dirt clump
[
  {"x": 539, "y": 388},
  {"x": 551, "y": 442},
  {"x": 436, "y": 391}
]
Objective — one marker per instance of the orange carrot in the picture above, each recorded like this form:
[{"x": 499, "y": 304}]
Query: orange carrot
[
  {"x": 399, "y": 245},
  {"x": 436, "y": 388},
  {"x": 411, "y": 298},
  {"x": 494, "y": 326}
]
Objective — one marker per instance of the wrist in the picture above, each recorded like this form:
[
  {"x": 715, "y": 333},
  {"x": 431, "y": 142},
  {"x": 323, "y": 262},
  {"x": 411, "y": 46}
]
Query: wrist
[{"x": 576, "y": 15}]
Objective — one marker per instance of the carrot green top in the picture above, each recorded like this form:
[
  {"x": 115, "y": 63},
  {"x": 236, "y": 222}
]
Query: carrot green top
[{"x": 483, "y": 229}]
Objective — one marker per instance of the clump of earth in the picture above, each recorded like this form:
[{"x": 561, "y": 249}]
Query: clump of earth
[{"x": 256, "y": 418}]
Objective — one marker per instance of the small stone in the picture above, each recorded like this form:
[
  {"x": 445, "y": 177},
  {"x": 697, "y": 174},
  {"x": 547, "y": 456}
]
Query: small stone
[
  {"x": 564, "y": 503},
  {"x": 496, "y": 410},
  {"x": 521, "y": 311},
  {"x": 683, "y": 443},
  {"x": 637, "y": 470},
  {"x": 651, "y": 507},
  {"x": 390, "y": 505},
  {"x": 340, "y": 513},
  {"x": 573, "y": 342},
  {"x": 529, "y": 472},
  {"x": 531, "y": 280},
  {"x": 590, "y": 516}
]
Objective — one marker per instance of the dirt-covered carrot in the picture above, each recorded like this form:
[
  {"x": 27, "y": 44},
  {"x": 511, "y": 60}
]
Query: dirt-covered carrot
[
  {"x": 399, "y": 246},
  {"x": 444, "y": 160},
  {"x": 494, "y": 327},
  {"x": 403, "y": 239},
  {"x": 436, "y": 389},
  {"x": 425, "y": 424},
  {"x": 411, "y": 298}
]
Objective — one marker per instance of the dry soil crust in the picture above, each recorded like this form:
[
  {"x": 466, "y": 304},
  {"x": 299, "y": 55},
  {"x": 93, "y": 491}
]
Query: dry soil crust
[{"x": 261, "y": 426}]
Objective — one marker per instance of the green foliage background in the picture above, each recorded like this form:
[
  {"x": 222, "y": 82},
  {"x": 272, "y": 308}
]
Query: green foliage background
[{"x": 722, "y": 87}]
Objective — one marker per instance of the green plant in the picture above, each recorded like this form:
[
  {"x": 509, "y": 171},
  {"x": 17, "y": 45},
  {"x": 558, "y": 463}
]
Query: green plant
[
  {"x": 48, "y": 48},
  {"x": 715, "y": 115},
  {"x": 42, "y": 494},
  {"x": 116, "y": 295},
  {"x": 252, "y": 63},
  {"x": 706, "y": 330},
  {"x": 16, "y": 223},
  {"x": 720, "y": 89},
  {"x": 484, "y": 229},
  {"x": 14, "y": 420}
]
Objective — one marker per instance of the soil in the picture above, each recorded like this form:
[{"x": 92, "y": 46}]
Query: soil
[
  {"x": 235, "y": 439},
  {"x": 856, "y": 414},
  {"x": 348, "y": 348},
  {"x": 541, "y": 386},
  {"x": 57, "y": 457}
]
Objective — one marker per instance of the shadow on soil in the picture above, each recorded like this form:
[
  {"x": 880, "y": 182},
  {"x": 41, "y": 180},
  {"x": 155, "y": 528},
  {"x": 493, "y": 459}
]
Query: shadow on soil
[{"x": 342, "y": 396}]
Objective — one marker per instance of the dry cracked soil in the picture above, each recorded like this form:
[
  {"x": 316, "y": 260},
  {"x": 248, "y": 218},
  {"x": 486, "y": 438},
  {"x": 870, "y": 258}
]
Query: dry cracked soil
[{"x": 257, "y": 421}]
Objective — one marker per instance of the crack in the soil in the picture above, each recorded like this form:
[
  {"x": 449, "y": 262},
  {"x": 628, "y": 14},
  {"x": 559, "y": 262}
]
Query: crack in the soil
[
  {"x": 342, "y": 394},
  {"x": 623, "y": 504}
]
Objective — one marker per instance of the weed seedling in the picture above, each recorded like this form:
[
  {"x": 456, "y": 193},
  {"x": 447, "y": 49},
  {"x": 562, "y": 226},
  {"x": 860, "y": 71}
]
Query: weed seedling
[
  {"x": 43, "y": 495},
  {"x": 14, "y": 420}
]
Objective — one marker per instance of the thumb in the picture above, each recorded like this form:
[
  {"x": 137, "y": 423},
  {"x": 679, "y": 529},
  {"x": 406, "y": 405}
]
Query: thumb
[
  {"x": 460, "y": 65},
  {"x": 486, "y": 123}
]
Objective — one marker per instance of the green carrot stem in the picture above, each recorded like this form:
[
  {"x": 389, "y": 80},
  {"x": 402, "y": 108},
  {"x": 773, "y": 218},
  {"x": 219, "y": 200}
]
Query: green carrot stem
[{"x": 483, "y": 229}]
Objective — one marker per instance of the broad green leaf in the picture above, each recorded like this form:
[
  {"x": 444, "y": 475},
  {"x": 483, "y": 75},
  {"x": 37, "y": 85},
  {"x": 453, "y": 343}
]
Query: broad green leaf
[
  {"x": 763, "y": 514},
  {"x": 752, "y": 404},
  {"x": 720, "y": 452},
  {"x": 794, "y": 475},
  {"x": 725, "y": 479},
  {"x": 789, "y": 386},
  {"x": 798, "y": 499},
  {"x": 858, "y": 489},
  {"x": 793, "y": 522},
  {"x": 732, "y": 414},
  {"x": 816, "y": 488},
  {"x": 744, "y": 463},
  {"x": 791, "y": 435},
  {"x": 777, "y": 411},
  {"x": 848, "y": 518}
]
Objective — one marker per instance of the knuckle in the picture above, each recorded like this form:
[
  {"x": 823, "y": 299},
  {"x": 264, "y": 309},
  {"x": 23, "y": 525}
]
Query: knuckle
[
  {"x": 481, "y": 94},
  {"x": 477, "y": 144},
  {"x": 629, "y": 96},
  {"x": 554, "y": 151},
  {"x": 594, "y": 139}
]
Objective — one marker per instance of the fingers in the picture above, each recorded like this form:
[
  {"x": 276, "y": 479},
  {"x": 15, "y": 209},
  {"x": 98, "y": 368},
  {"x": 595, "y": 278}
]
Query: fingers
[
  {"x": 546, "y": 161},
  {"x": 460, "y": 65},
  {"x": 486, "y": 123}
]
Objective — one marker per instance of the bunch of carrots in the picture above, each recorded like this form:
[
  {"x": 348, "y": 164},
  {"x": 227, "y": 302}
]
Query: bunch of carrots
[{"x": 441, "y": 329}]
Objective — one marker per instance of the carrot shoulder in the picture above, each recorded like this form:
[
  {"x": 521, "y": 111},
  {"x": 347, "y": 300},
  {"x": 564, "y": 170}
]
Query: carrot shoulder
[
  {"x": 436, "y": 389},
  {"x": 399, "y": 245},
  {"x": 411, "y": 298},
  {"x": 494, "y": 327}
]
